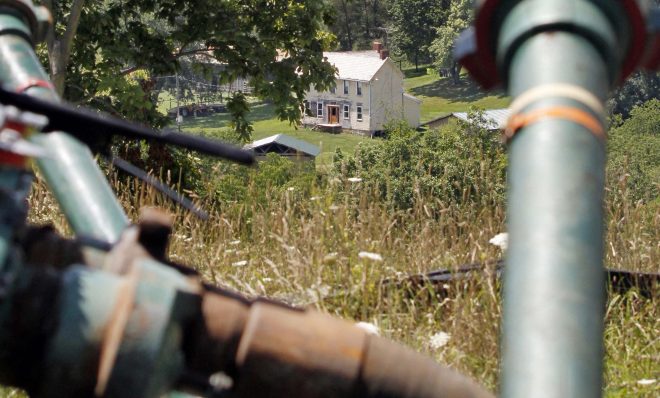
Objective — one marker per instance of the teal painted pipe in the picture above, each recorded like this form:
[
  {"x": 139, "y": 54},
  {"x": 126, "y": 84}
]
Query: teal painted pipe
[
  {"x": 554, "y": 292},
  {"x": 70, "y": 171}
]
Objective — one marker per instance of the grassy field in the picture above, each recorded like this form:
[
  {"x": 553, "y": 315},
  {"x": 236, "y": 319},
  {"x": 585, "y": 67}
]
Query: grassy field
[
  {"x": 306, "y": 252},
  {"x": 441, "y": 96},
  {"x": 305, "y": 249},
  {"x": 265, "y": 125}
]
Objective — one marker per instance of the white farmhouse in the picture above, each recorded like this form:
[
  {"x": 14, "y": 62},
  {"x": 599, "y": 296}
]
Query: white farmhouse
[{"x": 368, "y": 94}]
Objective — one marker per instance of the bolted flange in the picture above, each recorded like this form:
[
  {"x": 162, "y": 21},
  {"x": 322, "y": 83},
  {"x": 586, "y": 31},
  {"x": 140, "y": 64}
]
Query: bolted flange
[{"x": 38, "y": 18}]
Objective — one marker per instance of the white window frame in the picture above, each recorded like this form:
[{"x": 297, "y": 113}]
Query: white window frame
[
  {"x": 359, "y": 113},
  {"x": 319, "y": 110},
  {"x": 347, "y": 111},
  {"x": 347, "y": 86},
  {"x": 358, "y": 88}
]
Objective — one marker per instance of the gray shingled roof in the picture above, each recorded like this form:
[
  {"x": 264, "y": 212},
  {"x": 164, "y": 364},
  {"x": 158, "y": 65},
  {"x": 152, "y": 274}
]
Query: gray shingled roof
[
  {"x": 356, "y": 65},
  {"x": 285, "y": 140}
]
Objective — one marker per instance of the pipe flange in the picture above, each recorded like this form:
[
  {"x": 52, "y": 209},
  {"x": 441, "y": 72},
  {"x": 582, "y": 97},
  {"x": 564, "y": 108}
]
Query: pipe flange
[
  {"x": 38, "y": 18},
  {"x": 586, "y": 19},
  {"x": 476, "y": 47}
]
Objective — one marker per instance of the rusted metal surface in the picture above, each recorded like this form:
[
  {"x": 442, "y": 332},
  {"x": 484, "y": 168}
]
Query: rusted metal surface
[{"x": 272, "y": 350}]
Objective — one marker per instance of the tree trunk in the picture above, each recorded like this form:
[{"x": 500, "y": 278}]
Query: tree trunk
[
  {"x": 455, "y": 71},
  {"x": 348, "y": 25},
  {"x": 59, "y": 47},
  {"x": 416, "y": 62}
]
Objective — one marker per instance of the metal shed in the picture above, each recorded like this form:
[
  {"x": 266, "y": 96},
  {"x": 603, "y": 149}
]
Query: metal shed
[{"x": 284, "y": 145}]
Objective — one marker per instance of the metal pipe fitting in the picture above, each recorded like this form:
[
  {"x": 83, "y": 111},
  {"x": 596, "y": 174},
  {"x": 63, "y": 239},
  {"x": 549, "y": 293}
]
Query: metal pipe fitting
[
  {"x": 271, "y": 350},
  {"x": 69, "y": 168}
]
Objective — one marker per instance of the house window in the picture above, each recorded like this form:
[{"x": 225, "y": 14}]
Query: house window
[
  {"x": 359, "y": 113},
  {"x": 308, "y": 111},
  {"x": 333, "y": 89},
  {"x": 319, "y": 110},
  {"x": 346, "y": 86},
  {"x": 312, "y": 108},
  {"x": 358, "y": 86},
  {"x": 347, "y": 109}
]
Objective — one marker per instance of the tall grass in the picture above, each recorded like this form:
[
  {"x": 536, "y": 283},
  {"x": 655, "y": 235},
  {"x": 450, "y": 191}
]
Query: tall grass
[{"x": 305, "y": 249}]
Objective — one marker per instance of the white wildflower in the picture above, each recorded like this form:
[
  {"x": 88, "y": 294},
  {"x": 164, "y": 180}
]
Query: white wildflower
[
  {"x": 500, "y": 240},
  {"x": 314, "y": 198},
  {"x": 235, "y": 242},
  {"x": 646, "y": 382},
  {"x": 240, "y": 263},
  {"x": 333, "y": 207},
  {"x": 370, "y": 256},
  {"x": 370, "y": 328},
  {"x": 355, "y": 179},
  {"x": 439, "y": 340},
  {"x": 290, "y": 189}
]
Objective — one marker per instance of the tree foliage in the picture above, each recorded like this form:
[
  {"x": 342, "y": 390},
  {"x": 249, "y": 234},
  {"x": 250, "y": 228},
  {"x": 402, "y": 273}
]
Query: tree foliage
[
  {"x": 634, "y": 153},
  {"x": 278, "y": 44},
  {"x": 459, "y": 163},
  {"x": 458, "y": 18},
  {"x": 413, "y": 27},
  {"x": 637, "y": 90},
  {"x": 358, "y": 23}
]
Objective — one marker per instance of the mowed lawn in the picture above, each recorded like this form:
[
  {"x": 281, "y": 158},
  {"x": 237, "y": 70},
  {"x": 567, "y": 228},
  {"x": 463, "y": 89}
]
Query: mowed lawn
[
  {"x": 440, "y": 96},
  {"x": 266, "y": 124}
]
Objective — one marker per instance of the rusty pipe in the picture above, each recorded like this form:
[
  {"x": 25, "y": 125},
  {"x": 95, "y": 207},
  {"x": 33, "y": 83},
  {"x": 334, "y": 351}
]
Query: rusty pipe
[{"x": 272, "y": 350}]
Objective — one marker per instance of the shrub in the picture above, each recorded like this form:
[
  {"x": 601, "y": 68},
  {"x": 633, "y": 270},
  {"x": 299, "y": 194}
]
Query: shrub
[
  {"x": 461, "y": 163},
  {"x": 634, "y": 153}
]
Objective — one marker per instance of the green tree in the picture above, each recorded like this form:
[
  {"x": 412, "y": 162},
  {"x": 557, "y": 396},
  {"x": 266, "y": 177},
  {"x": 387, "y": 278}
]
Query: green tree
[
  {"x": 458, "y": 164},
  {"x": 637, "y": 90},
  {"x": 413, "y": 25},
  {"x": 633, "y": 150},
  {"x": 277, "y": 44},
  {"x": 458, "y": 18},
  {"x": 358, "y": 23}
]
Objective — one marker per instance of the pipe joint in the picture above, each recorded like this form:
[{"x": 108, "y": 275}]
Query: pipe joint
[
  {"x": 583, "y": 18},
  {"x": 36, "y": 19},
  {"x": 501, "y": 26}
]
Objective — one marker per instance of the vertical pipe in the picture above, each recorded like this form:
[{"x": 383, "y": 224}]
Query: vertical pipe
[
  {"x": 70, "y": 171},
  {"x": 554, "y": 287}
]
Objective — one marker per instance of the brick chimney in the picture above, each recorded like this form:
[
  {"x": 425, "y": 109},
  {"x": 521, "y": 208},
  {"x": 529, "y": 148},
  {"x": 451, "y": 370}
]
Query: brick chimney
[
  {"x": 377, "y": 46},
  {"x": 384, "y": 53}
]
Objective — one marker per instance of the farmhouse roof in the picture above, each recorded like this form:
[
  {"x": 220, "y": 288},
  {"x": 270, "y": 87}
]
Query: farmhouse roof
[
  {"x": 285, "y": 140},
  {"x": 356, "y": 65}
]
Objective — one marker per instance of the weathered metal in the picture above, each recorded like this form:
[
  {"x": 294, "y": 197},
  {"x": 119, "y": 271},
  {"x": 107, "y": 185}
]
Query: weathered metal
[
  {"x": 558, "y": 59},
  {"x": 106, "y": 315},
  {"x": 268, "y": 349},
  {"x": 69, "y": 169}
]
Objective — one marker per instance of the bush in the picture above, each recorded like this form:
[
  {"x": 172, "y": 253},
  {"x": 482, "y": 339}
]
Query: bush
[
  {"x": 461, "y": 163},
  {"x": 634, "y": 153}
]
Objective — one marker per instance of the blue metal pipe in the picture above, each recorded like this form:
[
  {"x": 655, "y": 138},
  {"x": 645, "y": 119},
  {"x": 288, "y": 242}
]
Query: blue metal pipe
[{"x": 70, "y": 171}]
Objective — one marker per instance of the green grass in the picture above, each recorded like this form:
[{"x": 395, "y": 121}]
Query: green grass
[
  {"x": 440, "y": 96},
  {"x": 266, "y": 124}
]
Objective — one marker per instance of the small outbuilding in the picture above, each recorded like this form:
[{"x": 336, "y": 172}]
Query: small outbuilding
[
  {"x": 494, "y": 119},
  {"x": 284, "y": 145}
]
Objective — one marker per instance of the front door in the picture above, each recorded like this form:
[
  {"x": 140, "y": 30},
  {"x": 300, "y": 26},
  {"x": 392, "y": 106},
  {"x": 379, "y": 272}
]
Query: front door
[{"x": 333, "y": 114}]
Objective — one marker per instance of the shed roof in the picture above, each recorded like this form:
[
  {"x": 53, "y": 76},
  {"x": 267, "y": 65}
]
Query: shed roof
[
  {"x": 288, "y": 141},
  {"x": 495, "y": 119},
  {"x": 356, "y": 65}
]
